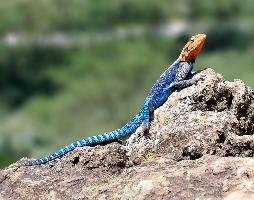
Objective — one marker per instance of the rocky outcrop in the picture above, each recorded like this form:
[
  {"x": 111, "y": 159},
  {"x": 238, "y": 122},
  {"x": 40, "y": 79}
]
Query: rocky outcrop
[{"x": 200, "y": 146}]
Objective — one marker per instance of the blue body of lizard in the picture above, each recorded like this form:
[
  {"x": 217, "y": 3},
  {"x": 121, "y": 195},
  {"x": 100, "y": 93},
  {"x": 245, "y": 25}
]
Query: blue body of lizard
[{"x": 175, "y": 76}]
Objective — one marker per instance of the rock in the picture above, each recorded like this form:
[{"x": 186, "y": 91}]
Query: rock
[{"x": 200, "y": 146}]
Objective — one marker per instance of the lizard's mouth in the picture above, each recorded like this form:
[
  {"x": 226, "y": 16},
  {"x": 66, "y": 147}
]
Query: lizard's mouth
[{"x": 193, "y": 47}]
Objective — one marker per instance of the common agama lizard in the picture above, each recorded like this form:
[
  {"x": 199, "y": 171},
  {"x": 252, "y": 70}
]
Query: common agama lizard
[{"x": 178, "y": 75}]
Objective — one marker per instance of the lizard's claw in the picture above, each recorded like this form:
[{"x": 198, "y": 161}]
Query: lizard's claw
[
  {"x": 198, "y": 78},
  {"x": 145, "y": 127}
]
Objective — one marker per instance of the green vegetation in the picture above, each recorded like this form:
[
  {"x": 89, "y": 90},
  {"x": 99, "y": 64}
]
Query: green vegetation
[{"x": 52, "y": 95}]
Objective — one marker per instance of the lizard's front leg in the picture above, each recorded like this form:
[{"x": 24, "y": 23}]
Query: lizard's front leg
[
  {"x": 184, "y": 83},
  {"x": 189, "y": 82},
  {"x": 184, "y": 72}
]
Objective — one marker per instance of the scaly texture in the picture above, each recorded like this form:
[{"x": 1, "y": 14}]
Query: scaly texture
[{"x": 177, "y": 75}]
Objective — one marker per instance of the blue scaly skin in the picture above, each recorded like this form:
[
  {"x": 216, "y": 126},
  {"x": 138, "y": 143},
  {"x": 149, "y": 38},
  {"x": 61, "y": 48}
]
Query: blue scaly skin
[{"x": 176, "y": 76}]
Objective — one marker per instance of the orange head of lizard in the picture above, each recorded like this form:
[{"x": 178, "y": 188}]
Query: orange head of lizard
[{"x": 192, "y": 48}]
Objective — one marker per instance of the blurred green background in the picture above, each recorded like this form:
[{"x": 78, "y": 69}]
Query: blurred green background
[{"x": 70, "y": 69}]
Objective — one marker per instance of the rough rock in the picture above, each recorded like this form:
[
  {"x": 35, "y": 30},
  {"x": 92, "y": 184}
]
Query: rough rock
[{"x": 200, "y": 146}]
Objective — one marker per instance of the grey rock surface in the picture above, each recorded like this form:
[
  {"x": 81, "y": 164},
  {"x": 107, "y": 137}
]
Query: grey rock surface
[{"x": 200, "y": 146}]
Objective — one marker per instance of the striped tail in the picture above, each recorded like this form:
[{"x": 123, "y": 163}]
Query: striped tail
[{"x": 126, "y": 130}]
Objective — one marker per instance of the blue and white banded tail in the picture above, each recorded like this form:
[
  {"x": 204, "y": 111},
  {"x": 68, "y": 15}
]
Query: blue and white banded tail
[{"x": 126, "y": 130}]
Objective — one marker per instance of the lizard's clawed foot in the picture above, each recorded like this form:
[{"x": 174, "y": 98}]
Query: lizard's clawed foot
[
  {"x": 140, "y": 132},
  {"x": 145, "y": 127},
  {"x": 198, "y": 77}
]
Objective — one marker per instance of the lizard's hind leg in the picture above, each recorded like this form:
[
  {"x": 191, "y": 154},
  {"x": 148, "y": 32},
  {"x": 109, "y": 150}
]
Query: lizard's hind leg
[{"x": 148, "y": 110}]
